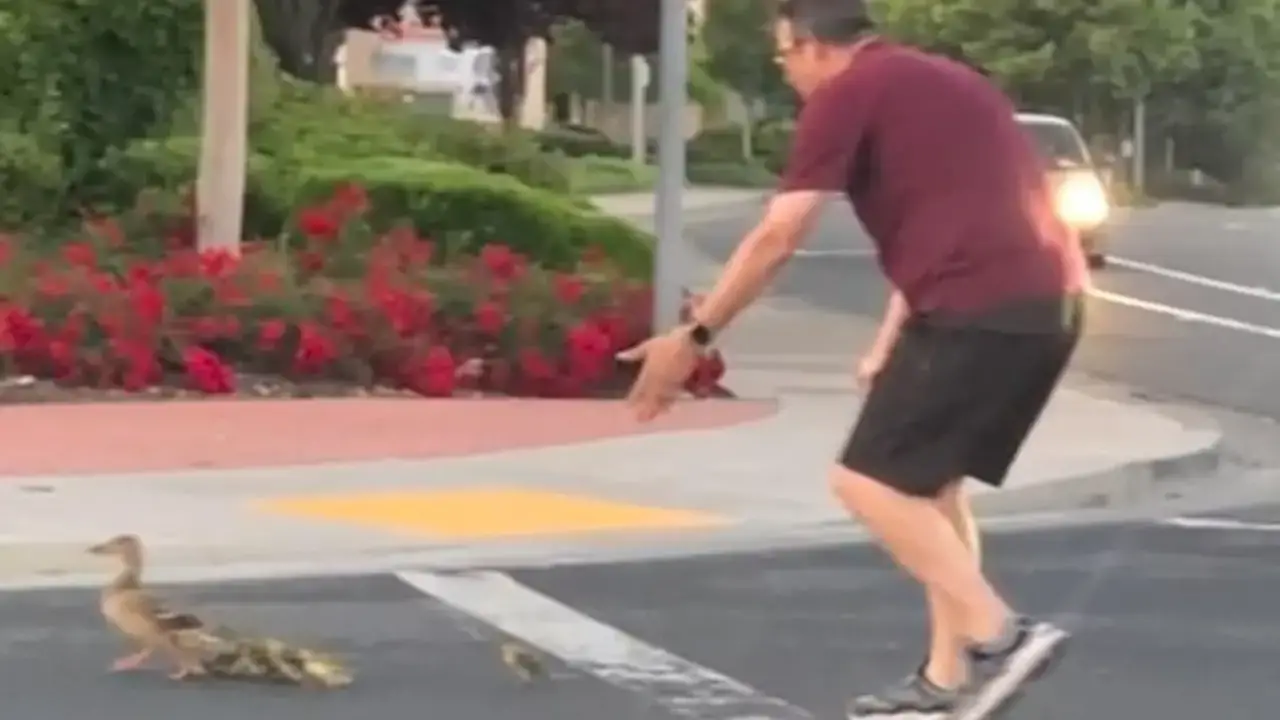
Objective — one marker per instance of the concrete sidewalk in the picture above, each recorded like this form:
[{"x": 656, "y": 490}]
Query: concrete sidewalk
[{"x": 682, "y": 486}]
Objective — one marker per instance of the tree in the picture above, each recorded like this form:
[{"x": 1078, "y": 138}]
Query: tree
[
  {"x": 1224, "y": 115},
  {"x": 84, "y": 80},
  {"x": 740, "y": 54},
  {"x": 1082, "y": 58},
  {"x": 305, "y": 35},
  {"x": 631, "y": 26}
]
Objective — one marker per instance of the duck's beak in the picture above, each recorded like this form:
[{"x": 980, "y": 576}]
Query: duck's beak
[{"x": 99, "y": 549}]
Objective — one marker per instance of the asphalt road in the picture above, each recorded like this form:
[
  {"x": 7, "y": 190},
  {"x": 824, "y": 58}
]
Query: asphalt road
[
  {"x": 1189, "y": 309},
  {"x": 1171, "y": 624}
]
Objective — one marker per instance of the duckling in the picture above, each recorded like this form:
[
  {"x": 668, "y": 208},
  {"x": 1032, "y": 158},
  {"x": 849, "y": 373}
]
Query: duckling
[
  {"x": 272, "y": 660},
  {"x": 140, "y": 619},
  {"x": 523, "y": 661}
]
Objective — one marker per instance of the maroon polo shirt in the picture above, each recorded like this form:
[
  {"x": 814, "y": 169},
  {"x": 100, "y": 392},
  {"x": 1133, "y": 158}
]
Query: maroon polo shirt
[{"x": 947, "y": 184}]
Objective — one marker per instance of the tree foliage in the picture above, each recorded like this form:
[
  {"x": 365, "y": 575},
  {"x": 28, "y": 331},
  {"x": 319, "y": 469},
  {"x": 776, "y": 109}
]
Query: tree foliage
[
  {"x": 1208, "y": 70},
  {"x": 83, "y": 79},
  {"x": 304, "y": 34}
]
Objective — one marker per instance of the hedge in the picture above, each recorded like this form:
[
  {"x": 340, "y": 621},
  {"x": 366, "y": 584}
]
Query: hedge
[
  {"x": 723, "y": 144},
  {"x": 464, "y": 208},
  {"x": 30, "y": 182}
]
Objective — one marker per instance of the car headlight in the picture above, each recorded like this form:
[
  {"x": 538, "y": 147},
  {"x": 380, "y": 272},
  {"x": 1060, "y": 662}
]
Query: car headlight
[{"x": 1081, "y": 201}]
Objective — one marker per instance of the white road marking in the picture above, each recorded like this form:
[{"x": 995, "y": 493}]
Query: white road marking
[
  {"x": 1210, "y": 523},
  {"x": 833, "y": 252},
  {"x": 682, "y": 687},
  {"x": 1186, "y": 315},
  {"x": 1193, "y": 279}
]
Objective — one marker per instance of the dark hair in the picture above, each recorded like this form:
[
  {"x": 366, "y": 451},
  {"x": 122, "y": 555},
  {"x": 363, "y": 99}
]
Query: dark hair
[{"x": 832, "y": 22}]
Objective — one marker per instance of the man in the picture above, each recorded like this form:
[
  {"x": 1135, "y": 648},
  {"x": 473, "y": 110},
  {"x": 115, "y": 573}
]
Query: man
[{"x": 984, "y": 316}]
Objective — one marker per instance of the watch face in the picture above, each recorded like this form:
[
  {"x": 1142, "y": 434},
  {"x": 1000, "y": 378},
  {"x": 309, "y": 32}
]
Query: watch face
[{"x": 701, "y": 334}]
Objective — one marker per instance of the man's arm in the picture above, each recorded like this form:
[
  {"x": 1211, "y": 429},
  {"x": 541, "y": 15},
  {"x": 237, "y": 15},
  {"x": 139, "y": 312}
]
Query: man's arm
[
  {"x": 758, "y": 257},
  {"x": 826, "y": 138},
  {"x": 891, "y": 326}
]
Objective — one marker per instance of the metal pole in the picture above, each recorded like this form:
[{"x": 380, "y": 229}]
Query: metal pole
[
  {"x": 1139, "y": 144},
  {"x": 639, "y": 84},
  {"x": 668, "y": 216},
  {"x": 606, "y": 89},
  {"x": 220, "y": 187}
]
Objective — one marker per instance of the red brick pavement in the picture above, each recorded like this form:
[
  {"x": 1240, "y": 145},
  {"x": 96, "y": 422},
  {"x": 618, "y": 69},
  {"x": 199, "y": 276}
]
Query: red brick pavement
[{"x": 136, "y": 437}]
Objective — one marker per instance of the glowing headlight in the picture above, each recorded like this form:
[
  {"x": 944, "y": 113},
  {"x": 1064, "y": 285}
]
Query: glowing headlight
[{"x": 1081, "y": 202}]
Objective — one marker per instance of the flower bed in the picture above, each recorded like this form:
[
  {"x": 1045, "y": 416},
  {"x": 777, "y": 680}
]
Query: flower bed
[{"x": 341, "y": 309}]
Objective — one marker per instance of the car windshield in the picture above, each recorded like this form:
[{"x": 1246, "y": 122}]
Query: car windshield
[{"x": 1058, "y": 143}]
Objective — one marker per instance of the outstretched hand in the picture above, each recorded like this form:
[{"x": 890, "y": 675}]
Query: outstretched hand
[{"x": 666, "y": 361}]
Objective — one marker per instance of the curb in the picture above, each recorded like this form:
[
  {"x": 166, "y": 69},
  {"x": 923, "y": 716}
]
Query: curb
[
  {"x": 1117, "y": 494},
  {"x": 694, "y": 215},
  {"x": 1122, "y": 486}
]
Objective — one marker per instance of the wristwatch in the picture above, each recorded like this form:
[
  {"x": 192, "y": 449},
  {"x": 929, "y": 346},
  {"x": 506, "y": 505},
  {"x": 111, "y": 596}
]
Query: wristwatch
[{"x": 701, "y": 335}]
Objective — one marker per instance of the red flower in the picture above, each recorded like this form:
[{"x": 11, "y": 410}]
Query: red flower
[
  {"x": 140, "y": 273},
  {"x": 318, "y": 223},
  {"x": 80, "y": 254},
  {"x": 589, "y": 351},
  {"x": 109, "y": 230},
  {"x": 501, "y": 262},
  {"x": 311, "y": 261},
  {"x": 182, "y": 264},
  {"x": 315, "y": 350},
  {"x": 218, "y": 263},
  {"x": 206, "y": 372},
  {"x": 270, "y": 333},
  {"x": 706, "y": 375},
  {"x": 62, "y": 358},
  {"x": 490, "y": 318},
  {"x": 140, "y": 368},
  {"x": 349, "y": 199},
  {"x": 437, "y": 375},
  {"x": 536, "y": 370},
  {"x": 338, "y": 313},
  {"x": 52, "y": 285},
  {"x": 569, "y": 289},
  {"x": 614, "y": 326},
  {"x": 19, "y": 330}
]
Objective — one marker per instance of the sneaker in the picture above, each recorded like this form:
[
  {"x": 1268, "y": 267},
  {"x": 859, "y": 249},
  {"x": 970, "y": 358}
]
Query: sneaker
[
  {"x": 999, "y": 678},
  {"x": 913, "y": 698}
]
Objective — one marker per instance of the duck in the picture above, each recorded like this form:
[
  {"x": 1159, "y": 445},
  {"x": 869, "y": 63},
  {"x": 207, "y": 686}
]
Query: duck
[
  {"x": 142, "y": 620},
  {"x": 522, "y": 661},
  {"x": 271, "y": 660}
]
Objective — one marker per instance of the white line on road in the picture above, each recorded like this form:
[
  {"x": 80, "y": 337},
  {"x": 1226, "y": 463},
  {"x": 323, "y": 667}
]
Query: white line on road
[
  {"x": 682, "y": 687},
  {"x": 833, "y": 252},
  {"x": 1209, "y": 523},
  {"x": 1186, "y": 315},
  {"x": 1193, "y": 279}
]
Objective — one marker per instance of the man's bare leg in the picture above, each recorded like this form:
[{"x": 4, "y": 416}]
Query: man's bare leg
[
  {"x": 921, "y": 539},
  {"x": 946, "y": 666}
]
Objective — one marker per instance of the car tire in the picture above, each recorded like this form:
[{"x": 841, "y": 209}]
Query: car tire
[{"x": 1097, "y": 261}]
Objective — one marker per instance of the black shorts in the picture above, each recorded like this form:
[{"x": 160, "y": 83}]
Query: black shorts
[{"x": 954, "y": 402}]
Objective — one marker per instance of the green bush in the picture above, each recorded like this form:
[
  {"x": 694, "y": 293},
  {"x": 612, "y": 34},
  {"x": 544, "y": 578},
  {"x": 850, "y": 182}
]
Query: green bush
[
  {"x": 579, "y": 143},
  {"x": 731, "y": 174},
  {"x": 30, "y": 182},
  {"x": 308, "y": 123},
  {"x": 171, "y": 166},
  {"x": 489, "y": 149},
  {"x": 772, "y": 143},
  {"x": 723, "y": 144},
  {"x": 463, "y": 208},
  {"x": 593, "y": 175},
  {"x": 716, "y": 144}
]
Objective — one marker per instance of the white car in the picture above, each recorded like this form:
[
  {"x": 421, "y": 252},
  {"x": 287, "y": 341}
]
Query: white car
[{"x": 1081, "y": 196}]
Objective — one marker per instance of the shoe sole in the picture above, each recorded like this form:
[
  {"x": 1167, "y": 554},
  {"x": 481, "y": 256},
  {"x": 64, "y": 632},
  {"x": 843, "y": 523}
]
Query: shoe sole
[{"x": 993, "y": 708}]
